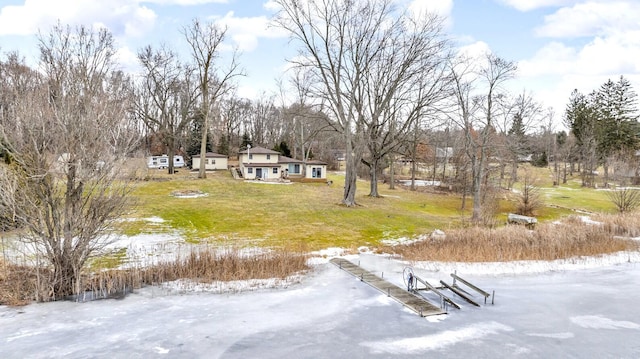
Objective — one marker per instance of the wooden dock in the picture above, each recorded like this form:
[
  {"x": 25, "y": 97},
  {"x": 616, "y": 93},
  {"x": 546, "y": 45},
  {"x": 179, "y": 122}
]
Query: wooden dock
[{"x": 414, "y": 302}]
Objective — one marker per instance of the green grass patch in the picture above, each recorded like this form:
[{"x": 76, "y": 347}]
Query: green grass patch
[
  {"x": 287, "y": 215},
  {"x": 108, "y": 261}
]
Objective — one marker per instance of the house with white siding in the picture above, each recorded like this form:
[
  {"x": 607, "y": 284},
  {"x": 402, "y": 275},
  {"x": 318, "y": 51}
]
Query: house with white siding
[
  {"x": 213, "y": 161},
  {"x": 259, "y": 163}
]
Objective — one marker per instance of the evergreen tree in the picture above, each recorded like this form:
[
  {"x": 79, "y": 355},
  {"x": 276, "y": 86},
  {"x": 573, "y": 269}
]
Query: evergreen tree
[
  {"x": 615, "y": 109},
  {"x": 283, "y": 148},
  {"x": 223, "y": 145},
  {"x": 580, "y": 118},
  {"x": 517, "y": 136},
  {"x": 195, "y": 137},
  {"x": 540, "y": 159},
  {"x": 246, "y": 141}
]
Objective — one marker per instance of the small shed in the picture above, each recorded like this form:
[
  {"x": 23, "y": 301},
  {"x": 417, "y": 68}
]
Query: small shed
[
  {"x": 316, "y": 169},
  {"x": 213, "y": 161}
]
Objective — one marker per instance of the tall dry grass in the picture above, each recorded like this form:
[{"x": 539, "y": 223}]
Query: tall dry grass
[
  {"x": 570, "y": 238},
  {"x": 624, "y": 224},
  {"x": 19, "y": 284}
]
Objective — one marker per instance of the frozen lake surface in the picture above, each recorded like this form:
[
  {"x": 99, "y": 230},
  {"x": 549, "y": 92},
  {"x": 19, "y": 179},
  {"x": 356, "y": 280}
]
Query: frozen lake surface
[{"x": 584, "y": 312}]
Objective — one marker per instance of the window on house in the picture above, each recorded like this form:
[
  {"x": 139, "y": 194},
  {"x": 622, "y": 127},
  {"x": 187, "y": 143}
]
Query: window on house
[
  {"x": 316, "y": 172},
  {"x": 250, "y": 170},
  {"x": 268, "y": 157},
  {"x": 296, "y": 168},
  {"x": 250, "y": 156},
  {"x": 275, "y": 170}
]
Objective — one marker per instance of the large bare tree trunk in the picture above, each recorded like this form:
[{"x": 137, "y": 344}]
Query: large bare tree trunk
[{"x": 351, "y": 173}]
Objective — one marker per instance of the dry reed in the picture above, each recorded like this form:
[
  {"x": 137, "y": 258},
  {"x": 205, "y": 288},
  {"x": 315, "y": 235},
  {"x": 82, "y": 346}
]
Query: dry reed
[
  {"x": 18, "y": 284},
  {"x": 571, "y": 238}
]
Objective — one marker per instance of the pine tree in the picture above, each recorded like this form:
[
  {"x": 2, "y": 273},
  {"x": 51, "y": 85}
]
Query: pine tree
[{"x": 246, "y": 141}]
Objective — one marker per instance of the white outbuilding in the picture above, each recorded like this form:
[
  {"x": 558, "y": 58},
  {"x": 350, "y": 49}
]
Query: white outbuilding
[{"x": 213, "y": 161}]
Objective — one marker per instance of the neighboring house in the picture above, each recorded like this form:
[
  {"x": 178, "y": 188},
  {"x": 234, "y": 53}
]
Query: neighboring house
[
  {"x": 444, "y": 154},
  {"x": 264, "y": 164},
  {"x": 212, "y": 162}
]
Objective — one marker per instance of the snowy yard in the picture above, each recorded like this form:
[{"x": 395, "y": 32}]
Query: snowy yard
[{"x": 585, "y": 308}]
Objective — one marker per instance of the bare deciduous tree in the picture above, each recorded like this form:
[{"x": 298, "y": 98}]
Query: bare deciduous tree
[
  {"x": 530, "y": 199},
  {"x": 166, "y": 96},
  {"x": 214, "y": 81},
  {"x": 477, "y": 91},
  {"x": 68, "y": 135},
  {"x": 370, "y": 64},
  {"x": 625, "y": 199}
]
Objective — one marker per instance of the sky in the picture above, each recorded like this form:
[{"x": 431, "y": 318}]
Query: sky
[{"x": 559, "y": 45}]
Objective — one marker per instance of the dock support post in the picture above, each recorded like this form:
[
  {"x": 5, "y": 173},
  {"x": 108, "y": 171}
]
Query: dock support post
[{"x": 493, "y": 295}]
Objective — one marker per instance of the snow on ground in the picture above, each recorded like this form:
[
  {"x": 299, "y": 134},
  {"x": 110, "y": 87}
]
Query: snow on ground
[
  {"x": 420, "y": 183},
  {"x": 582, "y": 308}
]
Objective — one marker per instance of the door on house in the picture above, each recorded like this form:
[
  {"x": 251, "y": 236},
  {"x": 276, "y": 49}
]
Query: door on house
[
  {"x": 259, "y": 173},
  {"x": 316, "y": 172}
]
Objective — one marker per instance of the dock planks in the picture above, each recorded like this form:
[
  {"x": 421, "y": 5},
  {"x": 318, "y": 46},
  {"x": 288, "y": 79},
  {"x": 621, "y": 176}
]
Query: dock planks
[{"x": 416, "y": 303}]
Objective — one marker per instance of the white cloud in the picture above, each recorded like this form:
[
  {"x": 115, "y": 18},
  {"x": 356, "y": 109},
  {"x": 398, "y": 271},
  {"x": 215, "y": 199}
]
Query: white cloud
[
  {"x": 271, "y": 5},
  {"x": 595, "y": 41},
  {"x": 527, "y": 5},
  {"x": 554, "y": 58},
  {"x": 440, "y": 7},
  {"x": 591, "y": 18},
  {"x": 122, "y": 17},
  {"x": 475, "y": 50},
  {"x": 246, "y": 31},
  {"x": 184, "y": 2},
  {"x": 127, "y": 59},
  {"x": 557, "y": 69}
]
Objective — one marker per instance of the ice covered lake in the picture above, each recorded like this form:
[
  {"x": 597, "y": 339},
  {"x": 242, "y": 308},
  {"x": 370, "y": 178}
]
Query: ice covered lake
[{"x": 582, "y": 308}]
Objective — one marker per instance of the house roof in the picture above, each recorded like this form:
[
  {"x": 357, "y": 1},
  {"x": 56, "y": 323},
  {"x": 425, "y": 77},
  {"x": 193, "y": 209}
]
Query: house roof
[
  {"x": 260, "y": 151},
  {"x": 316, "y": 162},
  {"x": 285, "y": 159},
  {"x": 210, "y": 155},
  {"x": 261, "y": 164}
]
